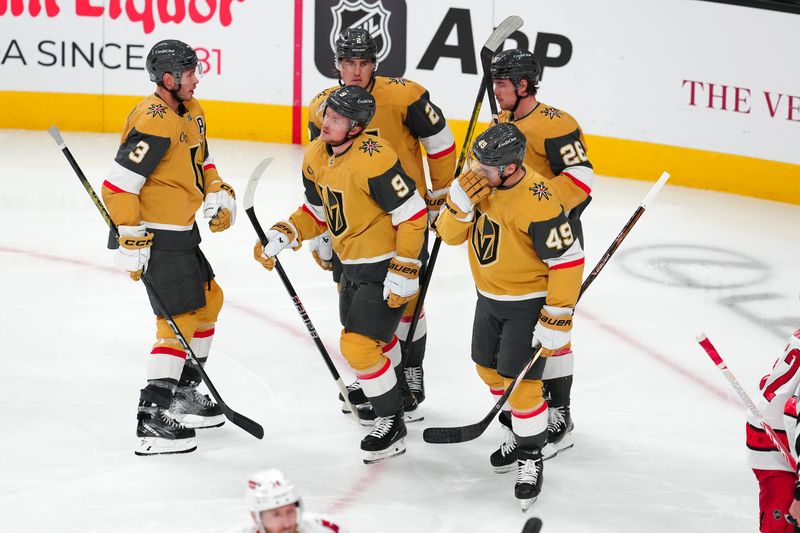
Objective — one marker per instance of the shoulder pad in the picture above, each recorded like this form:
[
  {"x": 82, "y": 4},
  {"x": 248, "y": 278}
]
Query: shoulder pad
[{"x": 402, "y": 89}]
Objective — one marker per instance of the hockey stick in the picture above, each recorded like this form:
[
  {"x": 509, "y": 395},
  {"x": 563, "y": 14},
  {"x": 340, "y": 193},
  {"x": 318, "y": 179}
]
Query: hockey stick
[
  {"x": 712, "y": 352},
  {"x": 454, "y": 435},
  {"x": 249, "y": 196},
  {"x": 495, "y": 40},
  {"x": 250, "y": 426},
  {"x": 509, "y": 26}
]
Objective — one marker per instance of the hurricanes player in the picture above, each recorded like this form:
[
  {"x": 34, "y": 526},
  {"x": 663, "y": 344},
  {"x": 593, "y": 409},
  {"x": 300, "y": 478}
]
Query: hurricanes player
[
  {"x": 356, "y": 189},
  {"x": 275, "y": 507},
  {"x": 779, "y": 486},
  {"x": 162, "y": 174},
  {"x": 406, "y": 119},
  {"x": 527, "y": 266},
  {"x": 557, "y": 151}
]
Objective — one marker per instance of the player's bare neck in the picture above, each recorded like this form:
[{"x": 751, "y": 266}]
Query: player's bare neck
[
  {"x": 172, "y": 102},
  {"x": 526, "y": 105},
  {"x": 338, "y": 150}
]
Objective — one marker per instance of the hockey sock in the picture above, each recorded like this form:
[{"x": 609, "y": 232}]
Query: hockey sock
[
  {"x": 166, "y": 361},
  {"x": 557, "y": 377}
]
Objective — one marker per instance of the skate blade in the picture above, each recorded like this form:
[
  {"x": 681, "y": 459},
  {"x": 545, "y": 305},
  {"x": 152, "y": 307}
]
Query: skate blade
[
  {"x": 505, "y": 469},
  {"x": 551, "y": 450},
  {"x": 524, "y": 505},
  {"x": 199, "y": 422},
  {"x": 398, "y": 448},
  {"x": 159, "y": 446}
]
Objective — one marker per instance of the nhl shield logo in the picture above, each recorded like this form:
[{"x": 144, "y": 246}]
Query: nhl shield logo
[
  {"x": 373, "y": 17},
  {"x": 485, "y": 239},
  {"x": 385, "y": 20}
]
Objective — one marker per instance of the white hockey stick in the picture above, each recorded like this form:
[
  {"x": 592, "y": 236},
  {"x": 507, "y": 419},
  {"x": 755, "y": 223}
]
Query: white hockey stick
[{"x": 748, "y": 402}]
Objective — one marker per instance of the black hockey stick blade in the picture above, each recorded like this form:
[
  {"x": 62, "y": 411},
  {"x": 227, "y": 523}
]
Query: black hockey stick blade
[{"x": 238, "y": 419}]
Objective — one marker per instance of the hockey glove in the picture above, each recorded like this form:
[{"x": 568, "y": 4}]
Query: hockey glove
[
  {"x": 435, "y": 201},
  {"x": 220, "y": 206},
  {"x": 466, "y": 191},
  {"x": 134, "y": 250},
  {"x": 402, "y": 281},
  {"x": 554, "y": 329},
  {"x": 281, "y": 235},
  {"x": 321, "y": 248}
]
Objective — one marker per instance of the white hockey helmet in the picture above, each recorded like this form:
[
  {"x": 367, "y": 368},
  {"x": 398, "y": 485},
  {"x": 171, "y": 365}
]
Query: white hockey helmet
[{"x": 270, "y": 489}]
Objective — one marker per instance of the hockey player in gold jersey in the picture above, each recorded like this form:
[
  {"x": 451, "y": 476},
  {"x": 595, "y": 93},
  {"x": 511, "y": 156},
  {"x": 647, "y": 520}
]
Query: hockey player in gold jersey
[
  {"x": 557, "y": 151},
  {"x": 356, "y": 189},
  {"x": 407, "y": 119},
  {"x": 162, "y": 174},
  {"x": 527, "y": 265}
]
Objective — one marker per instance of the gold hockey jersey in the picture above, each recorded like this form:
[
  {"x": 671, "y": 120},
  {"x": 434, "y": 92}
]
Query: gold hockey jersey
[
  {"x": 405, "y": 117},
  {"x": 364, "y": 198},
  {"x": 520, "y": 243},
  {"x": 162, "y": 167},
  {"x": 557, "y": 150}
]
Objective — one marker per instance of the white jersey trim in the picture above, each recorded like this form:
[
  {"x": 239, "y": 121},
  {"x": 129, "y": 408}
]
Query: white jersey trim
[
  {"x": 127, "y": 180},
  {"x": 513, "y": 298},
  {"x": 583, "y": 175},
  {"x": 408, "y": 209},
  {"x": 438, "y": 142},
  {"x": 574, "y": 253},
  {"x": 168, "y": 227},
  {"x": 317, "y": 211}
]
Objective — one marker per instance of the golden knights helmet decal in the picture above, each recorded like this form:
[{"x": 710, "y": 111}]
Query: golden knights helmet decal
[
  {"x": 334, "y": 210},
  {"x": 485, "y": 239}
]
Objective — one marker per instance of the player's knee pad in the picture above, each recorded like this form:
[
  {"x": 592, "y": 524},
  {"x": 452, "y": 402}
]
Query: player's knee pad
[
  {"x": 186, "y": 322},
  {"x": 214, "y": 299},
  {"x": 362, "y": 353},
  {"x": 527, "y": 394},
  {"x": 490, "y": 377}
]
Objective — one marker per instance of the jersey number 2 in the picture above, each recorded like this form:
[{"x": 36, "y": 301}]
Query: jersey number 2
[
  {"x": 573, "y": 154},
  {"x": 793, "y": 361}
]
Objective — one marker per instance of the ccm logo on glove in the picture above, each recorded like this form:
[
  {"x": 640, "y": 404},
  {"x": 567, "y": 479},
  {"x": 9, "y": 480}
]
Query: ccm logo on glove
[{"x": 136, "y": 242}]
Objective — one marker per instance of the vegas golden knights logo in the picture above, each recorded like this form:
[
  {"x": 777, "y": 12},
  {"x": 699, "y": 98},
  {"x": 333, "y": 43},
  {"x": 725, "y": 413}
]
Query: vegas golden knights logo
[
  {"x": 334, "y": 210},
  {"x": 485, "y": 239}
]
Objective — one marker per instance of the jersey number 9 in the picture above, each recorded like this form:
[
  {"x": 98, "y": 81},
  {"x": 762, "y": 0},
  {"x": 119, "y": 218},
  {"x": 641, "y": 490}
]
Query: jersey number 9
[{"x": 399, "y": 186}]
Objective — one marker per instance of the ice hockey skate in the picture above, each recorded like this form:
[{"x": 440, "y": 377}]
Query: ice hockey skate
[
  {"x": 415, "y": 379},
  {"x": 366, "y": 415},
  {"x": 158, "y": 433},
  {"x": 355, "y": 394},
  {"x": 559, "y": 432},
  {"x": 193, "y": 409},
  {"x": 529, "y": 477},
  {"x": 504, "y": 459},
  {"x": 386, "y": 439}
]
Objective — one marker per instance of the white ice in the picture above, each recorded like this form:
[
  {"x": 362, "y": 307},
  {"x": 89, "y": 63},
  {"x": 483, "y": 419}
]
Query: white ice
[{"x": 659, "y": 433}]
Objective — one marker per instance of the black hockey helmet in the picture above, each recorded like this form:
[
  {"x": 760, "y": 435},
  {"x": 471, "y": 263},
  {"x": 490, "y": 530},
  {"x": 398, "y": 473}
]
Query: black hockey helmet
[
  {"x": 352, "y": 102},
  {"x": 170, "y": 56},
  {"x": 499, "y": 146},
  {"x": 356, "y": 43},
  {"x": 516, "y": 65}
]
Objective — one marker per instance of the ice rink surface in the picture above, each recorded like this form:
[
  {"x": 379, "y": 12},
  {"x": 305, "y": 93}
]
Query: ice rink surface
[{"x": 659, "y": 433}]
